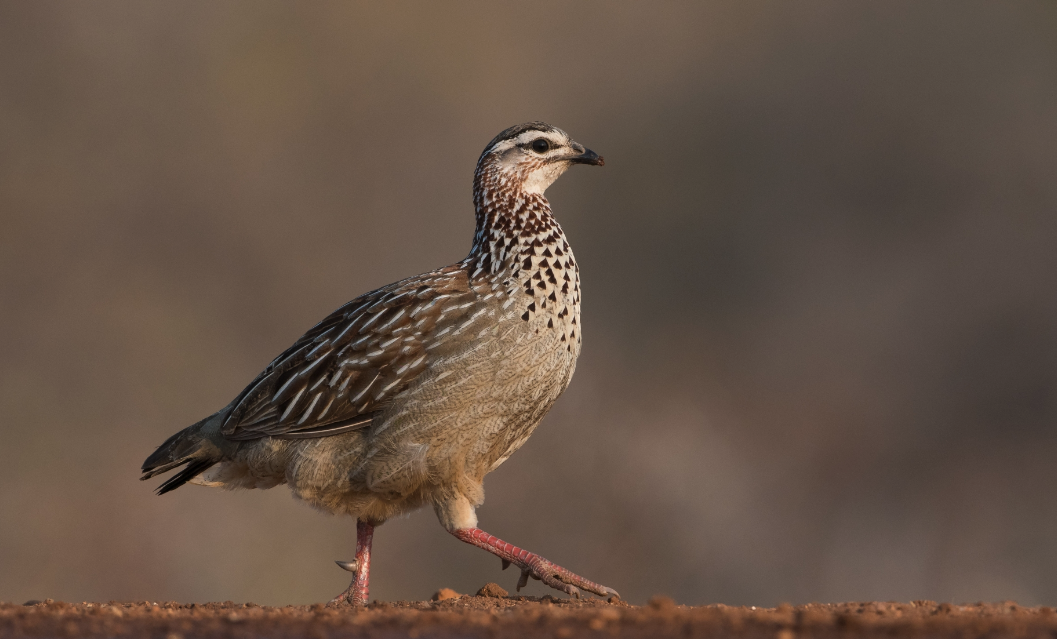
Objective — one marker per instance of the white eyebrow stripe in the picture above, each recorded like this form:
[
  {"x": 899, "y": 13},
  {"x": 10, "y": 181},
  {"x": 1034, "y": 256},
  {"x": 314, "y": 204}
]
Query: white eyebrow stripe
[{"x": 532, "y": 134}]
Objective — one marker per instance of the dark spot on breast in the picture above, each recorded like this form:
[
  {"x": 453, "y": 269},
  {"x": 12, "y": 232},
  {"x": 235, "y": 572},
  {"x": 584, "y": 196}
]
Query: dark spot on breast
[
  {"x": 550, "y": 323},
  {"x": 527, "y": 263},
  {"x": 552, "y": 297},
  {"x": 532, "y": 307},
  {"x": 525, "y": 316},
  {"x": 547, "y": 252}
]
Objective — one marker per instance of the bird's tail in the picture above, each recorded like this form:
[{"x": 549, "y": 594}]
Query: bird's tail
[{"x": 192, "y": 446}]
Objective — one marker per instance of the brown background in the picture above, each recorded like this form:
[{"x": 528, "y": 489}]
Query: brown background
[{"x": 819, "y": 286}]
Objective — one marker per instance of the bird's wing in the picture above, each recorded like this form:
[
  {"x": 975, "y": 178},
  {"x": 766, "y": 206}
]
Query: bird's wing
[{"x": 350, "y": 365}]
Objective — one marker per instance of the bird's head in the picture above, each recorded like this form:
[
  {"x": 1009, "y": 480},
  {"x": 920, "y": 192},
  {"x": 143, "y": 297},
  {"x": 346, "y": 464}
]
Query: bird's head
[{"x": 531, "y": 156}]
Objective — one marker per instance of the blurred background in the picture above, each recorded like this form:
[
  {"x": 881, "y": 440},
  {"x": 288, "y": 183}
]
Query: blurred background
[{"x": 819, "y": 270}]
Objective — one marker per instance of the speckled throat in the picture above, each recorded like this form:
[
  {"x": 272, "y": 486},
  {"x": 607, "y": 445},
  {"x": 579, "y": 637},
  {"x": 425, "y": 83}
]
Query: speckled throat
[{"x": 518, "y": 237}]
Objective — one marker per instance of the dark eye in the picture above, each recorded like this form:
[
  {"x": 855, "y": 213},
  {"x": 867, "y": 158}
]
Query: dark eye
[{"x": 540, "y": 145}]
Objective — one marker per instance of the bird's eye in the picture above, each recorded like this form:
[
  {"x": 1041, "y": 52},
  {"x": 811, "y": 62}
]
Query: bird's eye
[{"x": 540, "y": 145}]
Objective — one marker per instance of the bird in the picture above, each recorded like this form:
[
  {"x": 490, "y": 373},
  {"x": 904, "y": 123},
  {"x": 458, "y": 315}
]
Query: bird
[{"x": 408, "y": 395}]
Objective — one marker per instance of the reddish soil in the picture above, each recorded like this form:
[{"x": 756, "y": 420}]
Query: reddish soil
[{"x": 500, "y": 616}]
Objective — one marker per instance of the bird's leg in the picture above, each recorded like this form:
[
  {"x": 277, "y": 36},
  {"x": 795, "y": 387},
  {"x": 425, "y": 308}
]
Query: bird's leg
[
  {"x": 359, "y": 590},
  {"x": 532, "y": 565}
]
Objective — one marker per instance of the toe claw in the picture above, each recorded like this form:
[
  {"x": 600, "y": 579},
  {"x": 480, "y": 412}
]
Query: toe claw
[
  {"x": 611, "y": 592},
  {"x": 573, "y": 591},
  {"x": 347, "y": 565},
  {"x": 523, "y": 579},
  {"x": 506, "y": 564}
]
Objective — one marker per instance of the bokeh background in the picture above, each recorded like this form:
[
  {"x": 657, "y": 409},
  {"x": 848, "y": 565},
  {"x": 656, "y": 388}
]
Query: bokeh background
[{"x": 820, "y": 286}]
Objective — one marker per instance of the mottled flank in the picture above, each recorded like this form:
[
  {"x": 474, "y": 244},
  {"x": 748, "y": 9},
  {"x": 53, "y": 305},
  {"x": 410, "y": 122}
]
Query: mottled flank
[{"x": 410, "y": 394}]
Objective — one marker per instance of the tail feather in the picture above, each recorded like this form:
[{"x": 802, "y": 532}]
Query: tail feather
[
  {"x": 191, "y": 446},
  {"x": 194, "y": 468}
]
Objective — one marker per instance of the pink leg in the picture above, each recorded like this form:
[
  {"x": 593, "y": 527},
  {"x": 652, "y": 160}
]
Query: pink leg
[
  {"x": 532, "y": 565},
  {"x": 359, "y": 590}
]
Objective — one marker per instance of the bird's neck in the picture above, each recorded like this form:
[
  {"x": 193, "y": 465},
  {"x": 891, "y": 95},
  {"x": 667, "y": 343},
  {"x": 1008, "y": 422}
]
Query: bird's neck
[{"x": 512, "y": 224}]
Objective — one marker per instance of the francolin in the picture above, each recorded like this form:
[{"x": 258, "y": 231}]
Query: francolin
[{"x": 410, "y": 394}]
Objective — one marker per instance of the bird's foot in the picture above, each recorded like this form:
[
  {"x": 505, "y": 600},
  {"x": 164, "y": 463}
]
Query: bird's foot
[
  {"x": 558, "y": 578},
  {"x": 358, "y": 592},
  {"x": 352, "y": 596},
  {"x": 532, "y": 565}
]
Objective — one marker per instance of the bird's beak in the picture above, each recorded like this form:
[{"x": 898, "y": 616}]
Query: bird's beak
[{"x": 588, "y": 157}]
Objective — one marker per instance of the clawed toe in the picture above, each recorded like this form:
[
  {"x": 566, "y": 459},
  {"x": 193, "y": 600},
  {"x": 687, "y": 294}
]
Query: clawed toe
[{"x": 561, "y": 579}]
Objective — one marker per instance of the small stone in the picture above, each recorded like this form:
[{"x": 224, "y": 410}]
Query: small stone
[
  {"x": 661, "y": 602},
  {"x": 445, "y": 594},
  {"x": 33, "y": 602},
  {"x": 491, "y": 590}
]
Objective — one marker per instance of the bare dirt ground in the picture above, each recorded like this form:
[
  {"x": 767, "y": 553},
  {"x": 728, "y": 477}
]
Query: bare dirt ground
[{"x": 492, "y": 614}]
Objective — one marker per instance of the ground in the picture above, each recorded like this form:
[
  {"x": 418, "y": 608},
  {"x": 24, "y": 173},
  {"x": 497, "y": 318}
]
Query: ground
[{"x": 493, "y": 614}]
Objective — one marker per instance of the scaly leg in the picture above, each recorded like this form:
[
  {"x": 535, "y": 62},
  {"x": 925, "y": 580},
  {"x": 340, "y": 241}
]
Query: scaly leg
[
  {"x": 532, "y": 565},
  {"x": 359, "y": 590}
]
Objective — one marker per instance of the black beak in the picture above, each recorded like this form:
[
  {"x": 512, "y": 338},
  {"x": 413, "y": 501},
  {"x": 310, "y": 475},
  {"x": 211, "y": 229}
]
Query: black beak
[{"x": 588, "y": 157}]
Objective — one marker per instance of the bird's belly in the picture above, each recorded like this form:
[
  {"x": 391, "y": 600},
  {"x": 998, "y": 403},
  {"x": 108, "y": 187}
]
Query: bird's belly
[
  {"x": 457, "y": 421},
  {"x": 462, "y": 419}
]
